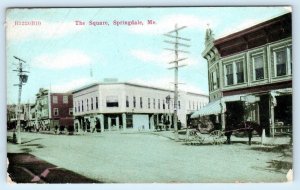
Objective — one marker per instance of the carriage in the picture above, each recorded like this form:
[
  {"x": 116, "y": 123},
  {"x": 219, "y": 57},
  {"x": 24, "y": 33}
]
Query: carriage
[{"x": 203, "y": 131}]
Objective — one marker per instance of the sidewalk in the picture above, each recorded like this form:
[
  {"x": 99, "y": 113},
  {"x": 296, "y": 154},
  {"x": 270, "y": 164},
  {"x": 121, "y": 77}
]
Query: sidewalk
[{"x": 26, "y": 168}]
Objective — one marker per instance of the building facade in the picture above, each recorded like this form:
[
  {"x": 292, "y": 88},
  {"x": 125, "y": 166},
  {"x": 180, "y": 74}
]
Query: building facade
[
  {"x": 121, "y": 106},
  {"x": 52, "y": 111},
  {"x": 250, "y": 75}
]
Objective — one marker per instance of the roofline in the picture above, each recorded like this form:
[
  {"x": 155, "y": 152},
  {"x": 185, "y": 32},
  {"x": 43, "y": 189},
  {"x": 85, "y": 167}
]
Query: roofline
[
  {"x": 130, "y": 84},
  {"x": 250, "y": 29}
]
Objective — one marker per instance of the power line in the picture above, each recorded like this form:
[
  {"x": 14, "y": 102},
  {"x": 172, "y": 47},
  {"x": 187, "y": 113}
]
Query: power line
[{"x": 174, "y": 39}]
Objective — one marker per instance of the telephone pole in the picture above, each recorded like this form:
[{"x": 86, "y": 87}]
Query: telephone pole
[
  {"x": 177, "y": 41},
  {"x": 23, "y": 77}
]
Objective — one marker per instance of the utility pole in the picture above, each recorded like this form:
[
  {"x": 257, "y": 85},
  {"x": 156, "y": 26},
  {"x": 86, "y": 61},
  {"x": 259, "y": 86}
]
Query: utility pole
[
  {"x": 23, "y": 77},
  {"x": 177, "y": 41}
]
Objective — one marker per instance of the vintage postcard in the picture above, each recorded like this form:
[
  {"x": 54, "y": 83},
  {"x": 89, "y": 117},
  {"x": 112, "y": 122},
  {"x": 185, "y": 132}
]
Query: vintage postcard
[{"x": 149, "y": 95}]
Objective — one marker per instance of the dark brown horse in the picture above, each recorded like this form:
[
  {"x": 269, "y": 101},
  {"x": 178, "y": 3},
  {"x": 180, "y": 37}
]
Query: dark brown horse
[{"x": 246, "y": 127}]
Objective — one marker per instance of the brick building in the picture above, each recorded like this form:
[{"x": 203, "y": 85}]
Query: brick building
[{"x": 250, "y": 75}]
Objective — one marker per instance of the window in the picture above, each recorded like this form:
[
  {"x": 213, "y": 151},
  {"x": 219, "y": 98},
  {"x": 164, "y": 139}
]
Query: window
[
  {"x": 127, "y": 102},
  {"x": 178, "y": 104},
  {"x": 214, "y": 80},
  {"x": 234, "y": 73},
  {"x": 78, "y": 106},
  {"x": 239, "y": 72},
  {"x": 96, "y": 102},
  {"x": 92, "y": 104},
  {"x": 283, "y": 61},
  {"x": 87, "y": 104},
  {"x": 229, "y": 74},
  {"x": 70, "y": 111},
  {"x": 54, "y": 99},
  {"x": 75, "y": 108},
  {"x": 141, "y": 102},
  {"x": 193, "y": 105},
  {"x": 149, "y": 104},
  {"x": 158, "y": 106},
  {"x": 65, "y": 99},
  {"x": 258, "y": 64},
  {"x": 112, "y": 101},
  {"x": 164, "y": 106},
  {"x": 82, "y": 105},
  {"x": 153, "y": 103},
  {"x": 55, "y": 112},
  {"x": 134, "y": 102}
]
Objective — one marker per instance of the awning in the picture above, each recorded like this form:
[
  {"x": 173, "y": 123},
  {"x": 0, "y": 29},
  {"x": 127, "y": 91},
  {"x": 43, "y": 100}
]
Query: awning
[{"x": 211, "y": 108}]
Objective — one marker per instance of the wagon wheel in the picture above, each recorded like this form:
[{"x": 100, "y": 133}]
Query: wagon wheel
[{"x": 217, "y": 137}]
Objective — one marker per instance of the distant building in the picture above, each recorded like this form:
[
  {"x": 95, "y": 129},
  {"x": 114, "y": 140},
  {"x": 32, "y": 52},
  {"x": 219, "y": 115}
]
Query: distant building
[
  {"x": 12, "y": 115},
  {"x": 120, "y": 106},
  {"x": 250, "y": 75},
  {"x": 52, "y": 111}
]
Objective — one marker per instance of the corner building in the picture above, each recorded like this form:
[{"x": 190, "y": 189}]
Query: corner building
[
  {"x": 250, "y": 75},
  {"x": 124, "y": 106}
]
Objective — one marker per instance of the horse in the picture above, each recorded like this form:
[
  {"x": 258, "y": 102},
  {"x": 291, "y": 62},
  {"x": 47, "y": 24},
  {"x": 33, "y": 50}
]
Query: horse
[{"x": 244, "y": 126}]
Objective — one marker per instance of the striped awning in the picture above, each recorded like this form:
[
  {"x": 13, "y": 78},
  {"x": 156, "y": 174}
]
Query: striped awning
[{"x": 214, "y": 107}]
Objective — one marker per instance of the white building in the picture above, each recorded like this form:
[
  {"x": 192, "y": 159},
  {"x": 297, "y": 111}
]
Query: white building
[{"x": 116, "y": 105}]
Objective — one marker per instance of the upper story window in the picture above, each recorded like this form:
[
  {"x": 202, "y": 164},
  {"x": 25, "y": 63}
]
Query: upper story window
[
  {"x": 82, "y": 105},
  {"x": 65, "y": 99},
  {"x": 178, "y": 104},
  {"x": 134, "y": 102},
  {"x": 214, "y": 81},
  {"x": 92, "y": 104},
  {"x": 149, "y": 104},
  {"x": 258, "y": 67},
  {"x": 75, "y": 107},
  {"x": 54, "y": 99},
  {"x": 153, "y": 103},
  {"x": 87, "y": 104},
  {"x": 96, "y": 102},
  {"x": 234, "y": 72},
  {"x": 282, "y": 61},
  {"x": 164, "y": 106},
  {"x": 158, "y": 104},
  {"x": 112, "y": 101},
  {"x": 239, "y": 72},
  {"x": 141, "y": 102},
  {"x": 127, "y": 102},
  {"x": 78, "y": 106}
]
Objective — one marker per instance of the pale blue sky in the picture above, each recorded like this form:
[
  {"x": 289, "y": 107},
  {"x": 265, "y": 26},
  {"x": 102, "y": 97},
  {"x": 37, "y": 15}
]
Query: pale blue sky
[{"x": 60, "y": 54}]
